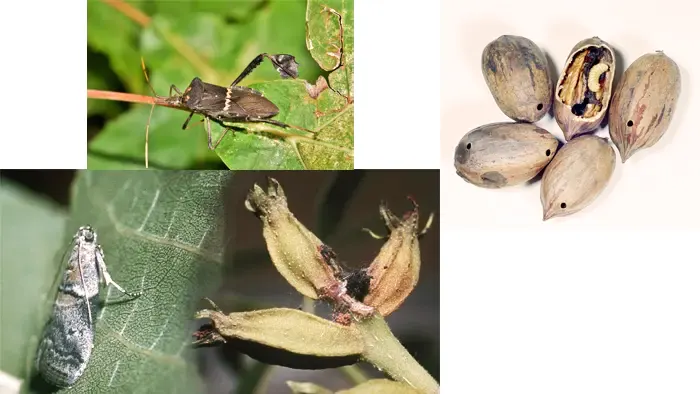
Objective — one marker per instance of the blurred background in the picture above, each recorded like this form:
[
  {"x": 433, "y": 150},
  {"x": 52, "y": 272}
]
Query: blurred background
[{"x": 335, "y": 206}]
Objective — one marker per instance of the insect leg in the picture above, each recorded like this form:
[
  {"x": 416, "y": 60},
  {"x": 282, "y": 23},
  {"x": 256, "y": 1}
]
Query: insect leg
[
  {"x": 226, "y": 129},
  {"x": 184, "y": 126},
  {"x": 208, "y": 127},
  {"x": 106, "y": 278},
  {"x": 255, "y": 63},
  {"x": 173, "y": 87},
  {"x": 143, "y": 67},
  {"x": 148, "y": 125},
  {"x": 286, "y": 65}
]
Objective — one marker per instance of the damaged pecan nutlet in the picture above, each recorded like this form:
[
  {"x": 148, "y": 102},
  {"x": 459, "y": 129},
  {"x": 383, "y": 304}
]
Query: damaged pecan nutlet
[
  {"x": 503, "y": 154},
  {"x": 394, "y": 272},
  {"x": 517, "y": 74},
  {"x": 584, "y": 88},
  {"x": 287, "y": 329},
  {"x": 644, "y": 102},
  {"x": 296, "y": 252}
]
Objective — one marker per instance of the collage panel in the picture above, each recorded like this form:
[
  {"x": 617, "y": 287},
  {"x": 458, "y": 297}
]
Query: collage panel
[
  {"x": 258, "y": 254},
  {"x": 573, "y": 123},
  {"x": 567, "y": 185},
  {"x": 218, "y": 281},
  {"x": 241, "y": 85}
]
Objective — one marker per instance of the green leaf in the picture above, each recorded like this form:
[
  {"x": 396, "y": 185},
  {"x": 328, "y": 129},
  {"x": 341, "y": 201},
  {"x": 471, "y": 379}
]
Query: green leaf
[
  {"x": 334, "y": 130},
  {"x": 238, "y": 9},
  {"x": 113, "y": 34},
  {"x": 331, "y": 41},
  {"x": 31, "y": 229},
  {"x": 278, "y": 28},
  {"x": 122, "y": 141},
  {"x": 324, "y": 34},
  {"x": 162, "y": 233}
]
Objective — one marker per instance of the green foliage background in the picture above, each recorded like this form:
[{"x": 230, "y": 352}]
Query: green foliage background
[{"x": 215, "y": 40}]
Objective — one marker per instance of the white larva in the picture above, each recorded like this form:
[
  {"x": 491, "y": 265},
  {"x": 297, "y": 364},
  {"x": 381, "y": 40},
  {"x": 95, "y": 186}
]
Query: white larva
[{"x": 594, "y": 76}]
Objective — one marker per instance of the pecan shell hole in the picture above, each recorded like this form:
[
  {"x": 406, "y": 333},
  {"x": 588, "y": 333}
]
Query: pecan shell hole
[
  {"x": 563, "y": 205},
  {"x": 630, "y": 123}
]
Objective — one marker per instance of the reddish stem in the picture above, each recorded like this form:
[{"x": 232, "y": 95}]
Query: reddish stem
[
  {"x": 130, "y": 11},
  {"x": 130, "y": 98}
]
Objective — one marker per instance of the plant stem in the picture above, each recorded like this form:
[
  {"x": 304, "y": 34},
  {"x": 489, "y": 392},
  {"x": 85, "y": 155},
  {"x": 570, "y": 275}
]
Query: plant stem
[
  {"x": 130, "y": 11},
  {"x": 354, "y": 374},
  {"x": 385, "y": 352},
  {"x": 129, "y": 98},
  {"x": 118, "y": 96},
  {"x": 140, "y": 99}
]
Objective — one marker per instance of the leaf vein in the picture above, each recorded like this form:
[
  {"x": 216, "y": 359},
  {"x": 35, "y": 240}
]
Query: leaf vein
[
  {"x": 150, "y": 210},
  {"x": 114, "y": 373},
  {"x": 158, "y": 355},
  {"x": 132, "y": 232}
]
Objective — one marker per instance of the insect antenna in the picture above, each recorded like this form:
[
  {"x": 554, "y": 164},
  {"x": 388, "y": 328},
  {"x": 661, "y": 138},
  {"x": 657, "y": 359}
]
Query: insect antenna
[
  {"x": 148, "y": 124},
  {"x": 82, "y": 281}
]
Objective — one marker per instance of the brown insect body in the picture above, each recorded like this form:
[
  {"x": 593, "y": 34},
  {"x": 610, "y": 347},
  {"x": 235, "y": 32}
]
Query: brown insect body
[
  {"x": 235, "y": 103},
  {"x": 232, "y": 104}
]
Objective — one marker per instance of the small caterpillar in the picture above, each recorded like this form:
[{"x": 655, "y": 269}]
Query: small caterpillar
[{"x": 594, "y": 76}]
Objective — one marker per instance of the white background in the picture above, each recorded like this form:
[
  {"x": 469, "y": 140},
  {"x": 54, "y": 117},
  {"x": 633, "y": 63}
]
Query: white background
[
  {"x": 606, "y": 300},
  {"x": 43, "y": 94},
  {"x": 527, "y": 307},
  {"x": 656, "y": 188}
]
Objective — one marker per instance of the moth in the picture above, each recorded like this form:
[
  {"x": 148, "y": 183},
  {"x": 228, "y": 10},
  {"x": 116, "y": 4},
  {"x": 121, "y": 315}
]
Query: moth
[{"x": 68, "y": 340}]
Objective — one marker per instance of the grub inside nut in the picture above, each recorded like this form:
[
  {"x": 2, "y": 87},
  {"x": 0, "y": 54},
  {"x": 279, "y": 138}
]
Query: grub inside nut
[{"x": 585, "y": 81}]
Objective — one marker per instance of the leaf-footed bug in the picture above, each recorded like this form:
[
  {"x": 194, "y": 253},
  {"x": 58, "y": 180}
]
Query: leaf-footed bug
[
  {"x": 66, "y": 346},
  {"x": 232, "y": 104}
]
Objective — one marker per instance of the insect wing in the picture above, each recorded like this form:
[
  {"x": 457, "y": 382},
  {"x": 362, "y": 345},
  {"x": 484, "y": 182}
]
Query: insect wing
[{"x": 253, "y": 102}]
